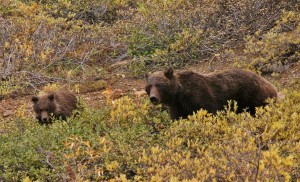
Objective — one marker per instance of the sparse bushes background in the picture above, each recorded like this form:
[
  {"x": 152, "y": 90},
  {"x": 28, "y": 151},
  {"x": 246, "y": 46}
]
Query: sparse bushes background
[{"x": 75, "y": 38}]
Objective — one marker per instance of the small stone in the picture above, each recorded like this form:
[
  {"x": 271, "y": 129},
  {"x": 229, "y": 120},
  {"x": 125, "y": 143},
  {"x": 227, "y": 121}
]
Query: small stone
[
  {"x": 119, "y": 64},
  {"x": 140, "y": 93},
  {"x": 113, "y": 94},
  {"x": 8, "y": 113},
  {"x": 280, "y": 96},
  {"x": 91, "y": 87},
  {"x": 117, "y": 93}
]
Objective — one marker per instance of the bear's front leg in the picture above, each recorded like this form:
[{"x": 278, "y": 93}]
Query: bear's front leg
[{"x": 177, "y": 113}]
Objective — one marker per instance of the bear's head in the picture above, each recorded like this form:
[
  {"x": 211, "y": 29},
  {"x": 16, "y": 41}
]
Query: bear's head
[
  {"x": 43, "y": 106},
  {"x": 161, "y": 86}
]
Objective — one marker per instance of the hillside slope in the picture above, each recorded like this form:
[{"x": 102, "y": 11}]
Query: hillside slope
[{"x": 101, "y": 50}]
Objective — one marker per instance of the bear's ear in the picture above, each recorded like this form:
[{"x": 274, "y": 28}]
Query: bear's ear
[
  {"x": 51, "y": 97},
  {"x": 146, "y": 75},
  {"x": 34, "y": 99},
  {"x": 169, "y": 73}
]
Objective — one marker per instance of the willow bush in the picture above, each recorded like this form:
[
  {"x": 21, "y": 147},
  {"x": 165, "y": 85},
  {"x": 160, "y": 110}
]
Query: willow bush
[
  {"x": 276, "y": 50},
  {"x": 140, "y": 142}
]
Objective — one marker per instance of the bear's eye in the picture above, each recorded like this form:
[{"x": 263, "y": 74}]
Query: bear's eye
[{"x": 148, "y": 88}]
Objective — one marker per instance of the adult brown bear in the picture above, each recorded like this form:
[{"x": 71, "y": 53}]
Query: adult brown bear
[
  {"x": 186, "y": 92},
  {"x": 60, "y": 104}
]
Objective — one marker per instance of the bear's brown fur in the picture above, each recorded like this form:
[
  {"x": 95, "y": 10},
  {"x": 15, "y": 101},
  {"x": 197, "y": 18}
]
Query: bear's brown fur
[
  {"x": 60, "y": 104},
  {"x": 186, "y": 92}
]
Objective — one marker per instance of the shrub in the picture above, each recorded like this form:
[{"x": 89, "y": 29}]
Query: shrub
[
  {"x": 85, "y": 36},
  {"x": 276, "y": 50},
  {"x": 140, "y": 142},
  {"x": 176, "y": 33},
  {"x": 37, "y": 45},
  {"x": 228, "y": 147}
]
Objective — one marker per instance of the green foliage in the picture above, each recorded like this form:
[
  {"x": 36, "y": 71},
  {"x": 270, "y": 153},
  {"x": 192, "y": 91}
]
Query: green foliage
[{"x": 131, "y": 139}]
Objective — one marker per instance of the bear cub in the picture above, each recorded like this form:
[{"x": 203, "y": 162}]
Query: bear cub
[
  {"x": 60, "y": 104},
  {"x": 186, "y": 92}
]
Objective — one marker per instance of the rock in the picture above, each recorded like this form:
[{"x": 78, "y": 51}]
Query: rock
[
  {"x": 140, "y": 93},
  {"x": 280, "y": 96},
  {"x": 117, "y": 93},
  {"x": 8, "y": 113},
  {"x": 90, "y": 87},
  {"x": 113, "y": 94},
  {"x": 119, "y": 64}
]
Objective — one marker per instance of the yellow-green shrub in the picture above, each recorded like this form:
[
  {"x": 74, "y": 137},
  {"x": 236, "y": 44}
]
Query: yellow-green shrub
[
  {"x": 140, "y": 142},
  {"x": 276, "y": 50},
  {"x": 229, "y": 147},
  {"x": 39, "y": 48},
  {"x": 174, "y": 33}
]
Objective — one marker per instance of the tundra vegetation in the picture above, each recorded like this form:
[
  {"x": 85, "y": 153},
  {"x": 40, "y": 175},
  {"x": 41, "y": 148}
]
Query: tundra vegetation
[{"x": 73, "y": 43}]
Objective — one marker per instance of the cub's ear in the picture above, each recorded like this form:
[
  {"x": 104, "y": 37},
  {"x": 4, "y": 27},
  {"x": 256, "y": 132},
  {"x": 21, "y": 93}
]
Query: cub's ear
[
  {"x": 51, "y": 97},
  {"x": 169, "y": 73},
  {"x": 34, "y": 99}
]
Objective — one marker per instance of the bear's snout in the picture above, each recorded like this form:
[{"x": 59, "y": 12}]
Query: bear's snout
[
  {"x": 45, "y": 120},
  {"x": 44, "y": 116},
  {"x": 154, "y": 96},
  {"x": 154, "y": 100}
]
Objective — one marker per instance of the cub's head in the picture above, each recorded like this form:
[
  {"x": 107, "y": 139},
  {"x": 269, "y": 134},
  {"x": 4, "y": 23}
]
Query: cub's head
[
  {"x": 43, "y": 106},
  {"x": 161, "y": 86}
]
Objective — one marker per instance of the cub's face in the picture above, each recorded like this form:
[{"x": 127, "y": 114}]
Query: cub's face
[
  {"x": 159, "y": 86},
  {"x": 43, "y": 106}
]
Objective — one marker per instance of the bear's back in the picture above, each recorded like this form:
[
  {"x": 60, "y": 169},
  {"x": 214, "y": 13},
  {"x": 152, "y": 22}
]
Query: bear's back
[
  {"x": 248, "y": 89},
  {"x": 212, "y": 91},
  {"x": 66, "y": 102}
]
